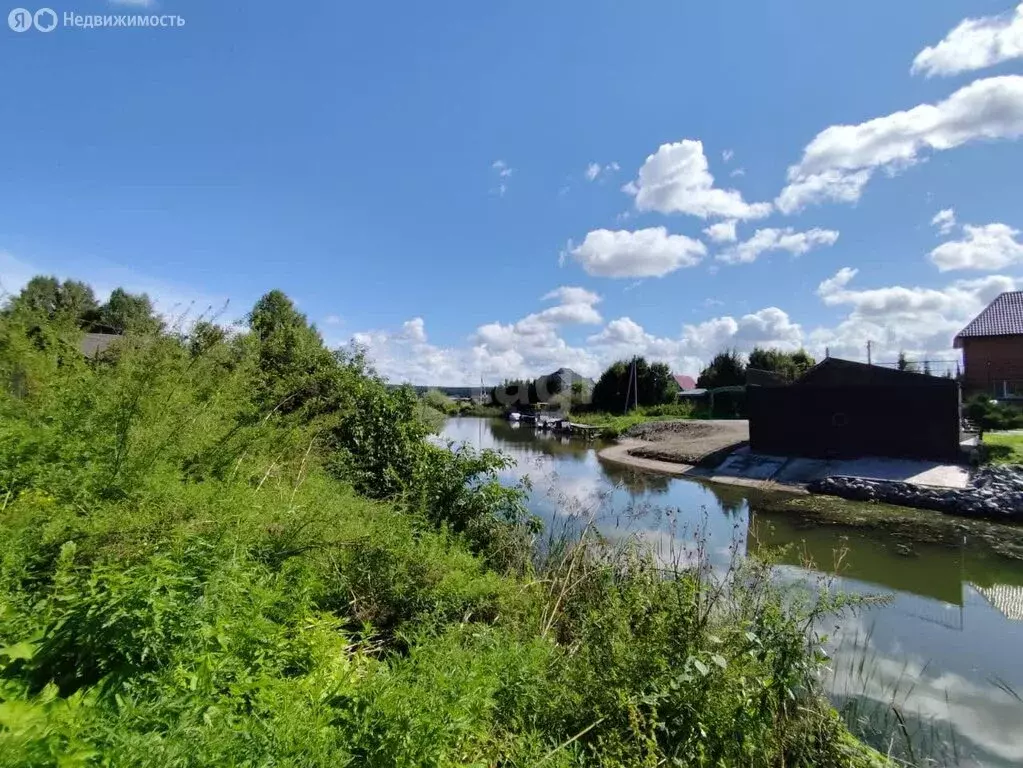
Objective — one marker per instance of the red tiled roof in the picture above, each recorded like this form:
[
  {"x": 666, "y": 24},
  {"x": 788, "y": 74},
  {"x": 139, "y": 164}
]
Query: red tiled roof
[
  {"x": 686, "y": 382},
  {"x": 1003, "y": 317}
]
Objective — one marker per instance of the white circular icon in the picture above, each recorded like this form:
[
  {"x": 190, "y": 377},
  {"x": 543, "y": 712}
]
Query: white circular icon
[
  {"x": 45, "y": 20},
  {"x": 20, "y": 20}
]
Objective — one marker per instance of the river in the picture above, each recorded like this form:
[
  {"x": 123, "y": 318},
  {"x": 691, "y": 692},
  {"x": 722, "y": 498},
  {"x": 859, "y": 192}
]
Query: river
[{"x": 945, "y": 651}]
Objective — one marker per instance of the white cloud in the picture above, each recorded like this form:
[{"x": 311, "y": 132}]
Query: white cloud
[
  {"x": 832, "y": 185},
  {"x": 414, "y": 330},
  {"x": 503, "y": 172},
  {"x": 974, "y": 44},
  {"x": 698, "y": 343},
  {"x": 332, "y": 320},
  {"x": 834, "y": 284},
  {"x": 595, "y": 170},
  {"x": 763, "y": 240},
  {"x": 676, "y": 179},
  {"x": 502, "y": 169},
  {"x": 727, "y": 155},
  {"x": 987, "y": 247},
  {"x": 641, "y": 253},
  {"x": 569, "y": 294},
  {"x": 841, "y": 159},
  {"x": 737, "y": 173},
  {"x": 920, "y": 321},
  {"x": 944, "y": 220},
  {"x": 722, "y": 232}
]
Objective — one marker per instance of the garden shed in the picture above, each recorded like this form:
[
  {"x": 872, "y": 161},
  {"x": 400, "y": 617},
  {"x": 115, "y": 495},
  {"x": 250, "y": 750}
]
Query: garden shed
[{"x": 844, "y": 409}]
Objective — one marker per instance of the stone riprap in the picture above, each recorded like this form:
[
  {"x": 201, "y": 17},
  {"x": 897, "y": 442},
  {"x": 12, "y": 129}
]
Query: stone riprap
[{"x": 994, "y": 493}]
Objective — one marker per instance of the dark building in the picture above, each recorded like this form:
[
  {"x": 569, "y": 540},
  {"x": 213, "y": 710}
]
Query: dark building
[
  {"x": 993, "y": 348},
  {"x": 843, "y": 409}
]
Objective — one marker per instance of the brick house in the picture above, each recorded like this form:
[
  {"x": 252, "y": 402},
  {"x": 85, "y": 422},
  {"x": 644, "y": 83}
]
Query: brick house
[{"x": 993, "y": 348}]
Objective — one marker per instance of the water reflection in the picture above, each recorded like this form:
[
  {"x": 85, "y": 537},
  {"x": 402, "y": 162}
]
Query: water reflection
[{"x": 943, "y": 648}]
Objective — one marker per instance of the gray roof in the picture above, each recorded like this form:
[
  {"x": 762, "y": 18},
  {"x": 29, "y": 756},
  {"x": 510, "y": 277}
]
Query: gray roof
[
  {"x": 1003, "y": 317},
  {"x": 95, "y": 344}
]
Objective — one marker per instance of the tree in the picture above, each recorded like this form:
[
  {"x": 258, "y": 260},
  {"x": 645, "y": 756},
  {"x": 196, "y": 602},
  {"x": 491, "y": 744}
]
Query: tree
[
  {"x": 295, "y": 366},
  {"x": 801, "y": 363},
  {"x": 727, "y": 369},
  {"x": 47, "y": 300},
  {"x": 204, "y": 337},
  {"x": 128, "y": 313},
  {"x": 654, "y": 385},
  {"x": 927, "y": 367},
  {"x": 790, "y": 365},
  {"x": 904, "y": 364}
]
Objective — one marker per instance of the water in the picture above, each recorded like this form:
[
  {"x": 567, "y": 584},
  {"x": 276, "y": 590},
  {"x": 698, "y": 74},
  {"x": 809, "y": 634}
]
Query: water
[{"x": 940, "y": 651}]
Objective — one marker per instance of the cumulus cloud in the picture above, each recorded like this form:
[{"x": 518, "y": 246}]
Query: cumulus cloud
[
  {"x": 569, "y": 294},
  {"x": 677, "y": 179},
  {"x": 763, "y": 240},
  {"x": 414, "y": 330},
  {"x": 944, "y": 220},
  {"x": 974, "y": 44},
  {"x": 840, "y": 161},
  {"x": 722, "y": 232},
  {"x": 987, "y": 247},
  {"x": 920, "y": 321},
  {"x": 698, "y": 343},
  {"x": 641, "y": 253}
]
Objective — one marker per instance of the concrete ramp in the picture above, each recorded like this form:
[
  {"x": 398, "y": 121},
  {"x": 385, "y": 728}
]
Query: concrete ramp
[
  {"x": 798, "y": 471},
  {"x": 749, "y": 466}
]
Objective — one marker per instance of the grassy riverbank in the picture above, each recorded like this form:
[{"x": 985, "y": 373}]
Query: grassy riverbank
[
  {"x": 615, "y": 425},
  {"x": 1002, "y": 448},
  {"x": 242, "y": 551}
]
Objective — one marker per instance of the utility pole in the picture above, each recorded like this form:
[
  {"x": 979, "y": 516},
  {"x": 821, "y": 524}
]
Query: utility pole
[
  {"x": 632, "y": 391},
  {"x": 870, "y": 344},
  {"x": 628, "y": 390},
  {"x": 635, "y": 384}
]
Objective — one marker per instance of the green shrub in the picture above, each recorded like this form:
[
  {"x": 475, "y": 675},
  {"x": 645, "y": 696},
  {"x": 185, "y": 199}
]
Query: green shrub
[
  {"x": 991, "y": 415},
  {"x": 243, "y": 550}
]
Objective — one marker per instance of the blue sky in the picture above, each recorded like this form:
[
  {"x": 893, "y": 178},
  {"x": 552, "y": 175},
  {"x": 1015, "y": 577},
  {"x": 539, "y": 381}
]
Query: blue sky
[{"x": 421, "y": 176}]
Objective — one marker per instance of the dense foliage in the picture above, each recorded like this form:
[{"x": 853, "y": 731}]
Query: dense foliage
[
  {"x": 727, "y": 369},
  {"x": 47, "y": 300},
  {"x": 650, "y": 384},
  {"x": 562, "y": 389},
  {"x": 789, "y": 365},
  {"x": 241, "y": 550},
  {"x": 988, "y": 414}
]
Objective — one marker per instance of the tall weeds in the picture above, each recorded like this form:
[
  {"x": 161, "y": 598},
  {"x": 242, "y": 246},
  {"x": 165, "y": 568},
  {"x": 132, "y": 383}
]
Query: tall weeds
[{"x": 244, "y": 552}]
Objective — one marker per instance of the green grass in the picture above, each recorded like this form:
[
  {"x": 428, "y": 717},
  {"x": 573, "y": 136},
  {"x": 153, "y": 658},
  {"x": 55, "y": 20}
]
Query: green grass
[
  {"x": 1003, "y": 449},
  {"x": 615, "y": 425}
]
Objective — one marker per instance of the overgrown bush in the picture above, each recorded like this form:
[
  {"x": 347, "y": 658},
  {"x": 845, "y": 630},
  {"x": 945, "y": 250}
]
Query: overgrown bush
[
  {"x": 243, "y": 550},
  {"x": 991, "y": 415}
]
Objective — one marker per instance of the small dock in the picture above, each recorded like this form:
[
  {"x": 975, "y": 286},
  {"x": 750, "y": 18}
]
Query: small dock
[{"x": 566, "y": 427}]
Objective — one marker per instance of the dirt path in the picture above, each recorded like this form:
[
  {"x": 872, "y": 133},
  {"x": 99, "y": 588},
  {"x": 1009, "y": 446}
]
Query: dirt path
[
  {"x": 620, "y": 454},
  {"x": 686, "y": 442}
]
